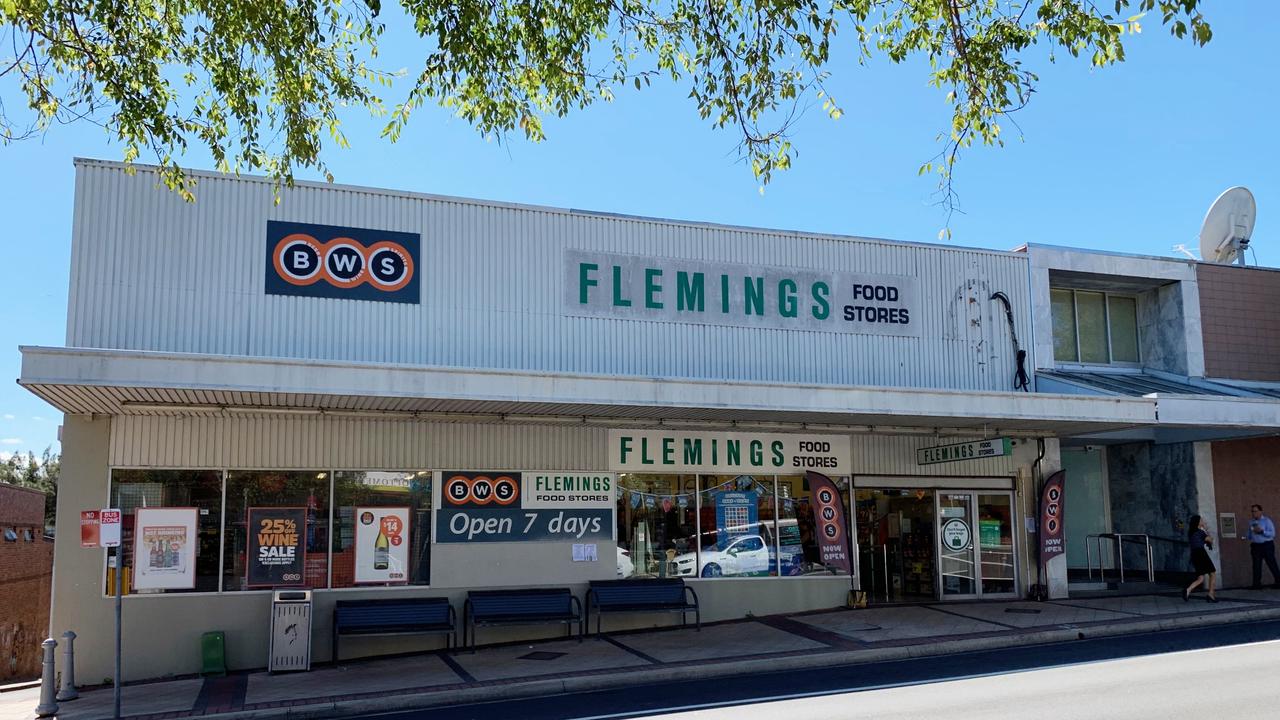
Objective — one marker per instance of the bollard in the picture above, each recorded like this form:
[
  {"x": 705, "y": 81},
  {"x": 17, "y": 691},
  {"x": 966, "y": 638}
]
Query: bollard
[
  {"x": 48, "y": 705},
  {"x": 68, "y": 690}
]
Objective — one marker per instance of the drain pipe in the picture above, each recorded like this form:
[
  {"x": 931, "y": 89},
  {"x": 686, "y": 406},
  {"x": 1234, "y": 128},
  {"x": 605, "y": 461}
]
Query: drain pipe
[{"x": 1041, "y": 590}]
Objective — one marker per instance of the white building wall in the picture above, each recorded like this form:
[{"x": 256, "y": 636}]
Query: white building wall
[{"x": 151, "y": 272}]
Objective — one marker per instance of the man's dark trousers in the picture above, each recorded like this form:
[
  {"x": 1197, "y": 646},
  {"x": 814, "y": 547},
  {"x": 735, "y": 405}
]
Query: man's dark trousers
[{"x": 1264, "y": 551}]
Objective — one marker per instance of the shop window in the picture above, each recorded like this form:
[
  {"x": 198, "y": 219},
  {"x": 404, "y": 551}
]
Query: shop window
[
  {"x": 656, "y": 523},
  {"x": 352, "y": 490},
  {"x": 737, "y": 535},
  {"x": 1096, "y": 328},
  {"x": 308, "y": 491},
  {"x": 201, "y": 489}
]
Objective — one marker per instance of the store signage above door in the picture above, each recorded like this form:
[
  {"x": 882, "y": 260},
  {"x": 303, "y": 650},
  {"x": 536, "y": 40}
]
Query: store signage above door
[
  {"x": 342, "y": 263},
  {"x": 635, "y": 287},
  {"x": 994, "y": 447},
  {"x": 727, "y": 453}
]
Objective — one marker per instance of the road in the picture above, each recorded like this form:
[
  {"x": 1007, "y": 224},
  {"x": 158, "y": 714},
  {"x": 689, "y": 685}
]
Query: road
[{"x": 1228, "y": 671}]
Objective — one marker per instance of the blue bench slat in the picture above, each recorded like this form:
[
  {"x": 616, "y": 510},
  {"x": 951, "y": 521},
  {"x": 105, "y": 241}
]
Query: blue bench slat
[
  {"x": 647, "y": 595},
  {"x": 386, "y": 616},
  {"x": 494, "y": 607}
]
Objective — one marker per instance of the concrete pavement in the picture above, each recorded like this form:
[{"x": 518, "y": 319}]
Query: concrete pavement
[{"x": 818, "y": 639}]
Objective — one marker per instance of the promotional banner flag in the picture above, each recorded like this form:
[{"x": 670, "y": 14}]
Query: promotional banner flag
[
  {"x": 277, "y": 548},
  {"x": 1052, "y": 512},
  {"x": 829, "y": 521}
]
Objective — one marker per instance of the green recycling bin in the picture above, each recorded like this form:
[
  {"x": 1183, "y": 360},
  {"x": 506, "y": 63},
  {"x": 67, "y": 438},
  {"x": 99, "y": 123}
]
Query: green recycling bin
[{"x": 213, "y": 654}]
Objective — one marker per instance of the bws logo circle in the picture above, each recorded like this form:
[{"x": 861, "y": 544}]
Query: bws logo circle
[
  {"x": 828, "y": 515},
  {"x": 302, "y": 260},
  {"x": 481, "y": 490}
]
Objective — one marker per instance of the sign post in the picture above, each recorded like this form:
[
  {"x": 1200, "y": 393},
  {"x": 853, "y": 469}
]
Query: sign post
[{"x": 109, "y": 522}]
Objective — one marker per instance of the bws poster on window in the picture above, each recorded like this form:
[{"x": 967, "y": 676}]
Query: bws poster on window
[
  {"x": 382, "y": 545},
  {"x": 277, "y": 549},
  {"x": 164, "y": 548}
]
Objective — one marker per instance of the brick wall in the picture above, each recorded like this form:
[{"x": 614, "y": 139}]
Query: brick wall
[
  {"x": 1240, "y": 323},
  {"x": 26, "y": 570},
  {"x": 1245, "y": 472}
]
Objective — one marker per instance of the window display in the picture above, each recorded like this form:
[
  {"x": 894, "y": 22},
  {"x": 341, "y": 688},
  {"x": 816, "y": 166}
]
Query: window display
[
  {"x": 656, "y": 523},
  {"x": 201, "y": 489},
  {"x": 407, "y": 492},
  {"x": 307, "y": 490}
]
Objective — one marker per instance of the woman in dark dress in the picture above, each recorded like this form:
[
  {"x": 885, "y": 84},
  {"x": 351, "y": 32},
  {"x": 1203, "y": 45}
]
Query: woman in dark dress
[{"x": 1200, "y": 540}]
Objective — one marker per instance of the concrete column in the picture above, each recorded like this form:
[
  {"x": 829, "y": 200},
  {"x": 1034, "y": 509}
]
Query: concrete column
[{"x": 1206, "y": 496}]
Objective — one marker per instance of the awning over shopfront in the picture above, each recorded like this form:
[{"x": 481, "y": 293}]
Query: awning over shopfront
[
  {"x": 115, "y": 382},
  {"x": 1188, "y": 409}
]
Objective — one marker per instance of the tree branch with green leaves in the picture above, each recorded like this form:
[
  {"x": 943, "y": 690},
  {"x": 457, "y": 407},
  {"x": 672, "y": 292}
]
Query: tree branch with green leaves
[{"x": 260, "y": 85}]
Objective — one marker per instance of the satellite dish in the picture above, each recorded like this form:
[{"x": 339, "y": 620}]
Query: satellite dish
[{"x": 1227, "y": 226}]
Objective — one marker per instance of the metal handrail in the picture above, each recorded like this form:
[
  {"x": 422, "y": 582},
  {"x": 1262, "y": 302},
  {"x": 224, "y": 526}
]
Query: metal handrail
[{"x": 1118, "y": 540}]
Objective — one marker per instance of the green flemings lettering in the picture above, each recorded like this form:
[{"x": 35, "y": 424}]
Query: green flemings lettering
[
  {"x": 733, "y": 452},
  {"x": 644, "y": 452},
  {"x": 585, "y": 281},
  {"x": 821, "y": 306},
  {"x": 651, "y": 288},
  {"x": 787, "y": 298},
  {"x": 778, "y": 457},
  {"x": 690, "y": 291},
  {"x": 668, "y": 451},
  {"x": 692, "y": 451},
  {"x": 624, "y": 449},
  {"x": 757, "y": 453},
  {"x": 618, "y": 300},
  {"x": 753, "y": 296}
]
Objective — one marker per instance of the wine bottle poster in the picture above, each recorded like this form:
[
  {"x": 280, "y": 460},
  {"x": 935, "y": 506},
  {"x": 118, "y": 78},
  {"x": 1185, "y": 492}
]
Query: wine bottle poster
[
  {"x": 164, "y": 548},
  {"x": 277, "y": 552},
  {"x": 382, "y": 544}
]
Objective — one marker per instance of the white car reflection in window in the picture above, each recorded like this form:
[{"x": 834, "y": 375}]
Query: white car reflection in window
[{"x": 747, "y": 555}]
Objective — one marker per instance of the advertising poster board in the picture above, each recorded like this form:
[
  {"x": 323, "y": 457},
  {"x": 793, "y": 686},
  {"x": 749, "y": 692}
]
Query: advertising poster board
[
  {"x": 277, "y": 552},
  {"x": 382, "y": 545},
  {"x": 736, "y": 515},
  {"x": 164, "y": 548}
]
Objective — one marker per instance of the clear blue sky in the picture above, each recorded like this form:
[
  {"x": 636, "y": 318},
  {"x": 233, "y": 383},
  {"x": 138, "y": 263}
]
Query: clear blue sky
[{"x": 1124, "y": 159}]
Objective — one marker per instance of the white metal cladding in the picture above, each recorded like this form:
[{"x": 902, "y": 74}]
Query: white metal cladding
[
  {"x": 373, "y": 444},
  {"x": 151, "y": 272},
  {"x": 352, "y": 443}
]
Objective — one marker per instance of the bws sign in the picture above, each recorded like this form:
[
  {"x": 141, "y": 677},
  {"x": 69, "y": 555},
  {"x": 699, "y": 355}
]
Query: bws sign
[
  {"x": 343, "y": 263},
  {"x": 523, "y": 507}
]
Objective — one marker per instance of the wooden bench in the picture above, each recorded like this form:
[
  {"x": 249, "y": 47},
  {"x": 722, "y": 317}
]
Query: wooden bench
[
  {"x": 634, "y": 596},
  {"x": 396, "y": 616},
  {"x": 520, "y": 607}
]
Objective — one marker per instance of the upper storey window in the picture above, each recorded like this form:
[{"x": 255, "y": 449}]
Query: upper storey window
[{"x": 1094, "y": 328}]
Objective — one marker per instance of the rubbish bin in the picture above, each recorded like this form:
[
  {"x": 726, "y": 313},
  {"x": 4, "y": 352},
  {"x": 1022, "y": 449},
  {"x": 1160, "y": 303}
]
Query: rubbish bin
[{"x": 290, "y": 631}]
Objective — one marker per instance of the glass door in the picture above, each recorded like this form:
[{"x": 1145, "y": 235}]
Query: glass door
[
  {"x": 957, "y": 551},
  {"x": 995, "y": 541}
]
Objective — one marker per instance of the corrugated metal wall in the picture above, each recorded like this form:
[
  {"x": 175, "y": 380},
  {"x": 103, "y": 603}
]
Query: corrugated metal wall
[
  {"x": 151, "y": 272},
  {"x": 372, "y": 444}
]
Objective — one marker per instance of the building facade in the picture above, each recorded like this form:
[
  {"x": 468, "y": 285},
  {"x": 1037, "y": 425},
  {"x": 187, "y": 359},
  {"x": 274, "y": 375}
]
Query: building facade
[{"x": 371, "y": 393}]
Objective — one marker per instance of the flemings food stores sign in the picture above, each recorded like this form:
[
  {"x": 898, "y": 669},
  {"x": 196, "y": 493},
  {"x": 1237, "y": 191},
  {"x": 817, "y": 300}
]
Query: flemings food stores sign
[
  {"x": 656, "y": 451},
  {"x": 650, "y": 288}
]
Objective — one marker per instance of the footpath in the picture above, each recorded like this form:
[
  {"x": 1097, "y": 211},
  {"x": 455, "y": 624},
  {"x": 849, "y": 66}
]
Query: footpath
[{"x": 752, "y": 645}]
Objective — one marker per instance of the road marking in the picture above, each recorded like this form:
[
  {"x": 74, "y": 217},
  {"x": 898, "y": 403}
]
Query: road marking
[{"x": 883, "y": 686}]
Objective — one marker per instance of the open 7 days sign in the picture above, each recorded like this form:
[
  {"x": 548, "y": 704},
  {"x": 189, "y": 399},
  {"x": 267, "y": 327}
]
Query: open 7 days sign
[{"x": 525, "y": 506}]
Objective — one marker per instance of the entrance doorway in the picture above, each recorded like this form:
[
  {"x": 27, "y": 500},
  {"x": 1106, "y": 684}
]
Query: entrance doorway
[{"x": 926, "y": 544}]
